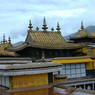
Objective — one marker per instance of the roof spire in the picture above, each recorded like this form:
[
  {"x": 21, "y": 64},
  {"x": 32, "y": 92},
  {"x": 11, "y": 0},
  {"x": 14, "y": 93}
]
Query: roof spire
[
  {"x": 82, "y": 26},
  {"x": 52, "y": 29},
  {"x": 4, "y": 40},
  {"x": 9, "y": 40},
  {"x": 58, "y": 27},
  {"x": 44, "y": 25},
  {"x": 30, "y": 25},
  {"x": 37, "y": 28}
]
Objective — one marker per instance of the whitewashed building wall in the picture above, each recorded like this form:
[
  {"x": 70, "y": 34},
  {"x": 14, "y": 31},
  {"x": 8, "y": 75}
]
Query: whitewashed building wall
[
  {"x": 4, "y": 81},
  {"x": 73, "y": 70}
]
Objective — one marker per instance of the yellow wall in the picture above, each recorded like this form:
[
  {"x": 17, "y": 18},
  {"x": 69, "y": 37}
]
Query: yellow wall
[
  {"x": 84, "y": 50},
  {"x": 73, "y": 61},
  {"x": 89, "y": 66},
  {"x": 93, "y": 52},
  {"x": 89, "y": 52},
  {"x": 29, "y": 80}
]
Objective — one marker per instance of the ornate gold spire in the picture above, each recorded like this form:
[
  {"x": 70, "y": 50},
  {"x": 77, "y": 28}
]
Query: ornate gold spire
[
  {"x": 30, "y": 25},
  {"x": 82, "y": 26},
  {"x": 58, "y": 27},
  {"x": 37, "y": 28},
  {"x": 44, "y": 25},
  {"x": 4, "y": 40},
  {"x": 52, "y": 29},
  {"x": 9, "y": 40}
]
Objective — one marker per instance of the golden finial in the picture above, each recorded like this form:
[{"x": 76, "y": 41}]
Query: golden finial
[
  {"x": 52, "y": 29},
  {"x": 4, "y": 40},
  {"x": 37, "y": 28},
  {"x": 30, "y": 25},
  {"x": 44, "y": 25},
  {"x": 58, "y": 27},
  {"x": 9, "y": 40},
  {"x": 82, "y": 26}
]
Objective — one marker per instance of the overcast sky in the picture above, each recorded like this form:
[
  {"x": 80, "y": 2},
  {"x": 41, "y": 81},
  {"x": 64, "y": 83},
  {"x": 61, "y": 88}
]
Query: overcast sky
[{"x": 15, "y": 15}]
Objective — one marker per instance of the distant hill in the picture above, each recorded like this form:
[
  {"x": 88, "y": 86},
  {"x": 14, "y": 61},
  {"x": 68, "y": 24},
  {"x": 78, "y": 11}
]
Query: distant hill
[
  {"x": 18, "y": 43},
  {"x": 90, "y": 29}
]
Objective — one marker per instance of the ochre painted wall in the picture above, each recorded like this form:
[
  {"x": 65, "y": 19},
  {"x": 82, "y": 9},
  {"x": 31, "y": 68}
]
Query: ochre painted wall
[
  {"x": 84, "y": 50},
  {"x": 89, "y": 66},
  {"x": 73, "y": 61},
  {"x": 29, "y": 80},
  {"x": 88, "y": 51},
  {"x": 92, "y": 52}
]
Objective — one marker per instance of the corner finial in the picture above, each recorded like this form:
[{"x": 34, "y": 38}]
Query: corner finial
[
  {"x": 52, "y": 29},
  {"x": 82, "y": 26},
  {"x": 37, "y": 28},
  {"x": 30, "y": 25},
  {"x": 9, "y": 40},
  {"x": 4, "y": 40},
  {"x": 44, "y": 25},
  {"x": 58, "y": 27}
]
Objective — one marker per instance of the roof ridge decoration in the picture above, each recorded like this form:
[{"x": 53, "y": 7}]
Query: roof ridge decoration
[
  {"x": 46, "y": 40},
  {"x": 37, "y": 28},
  {"x": 82, "y": 26},
  {"x": 30, "y": 25},
  {"x": 52, "y": 29},
  {"x": 44, "y": 25},
  {"x": 4, "y": 39},
  {"x": 9, "y": 40},
  {"x": 58, "y": 27}
]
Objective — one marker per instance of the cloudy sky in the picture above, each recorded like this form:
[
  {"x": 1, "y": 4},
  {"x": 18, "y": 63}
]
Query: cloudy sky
[{"x": 15, "y": 15}]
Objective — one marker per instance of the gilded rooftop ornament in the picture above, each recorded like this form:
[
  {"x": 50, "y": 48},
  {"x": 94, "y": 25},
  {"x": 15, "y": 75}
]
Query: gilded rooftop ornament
[
  {"x": 58, "y": 27},
  {"x": 82, "y": 26},
  {"x": 37, "y": 28},
  {"x": 4, "y": 40},
  {"x": 52, "y": 29},
  {"x": 30, "y": 25},
  {"x": 44, "y": 25},
  {"x": 9, "y": 40}
]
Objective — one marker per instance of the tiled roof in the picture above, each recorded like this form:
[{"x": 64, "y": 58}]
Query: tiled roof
[
  {"x": 83, "y": 33},
  {"x": 4, "y": 52},
  {"x": 47, "y": 40}
]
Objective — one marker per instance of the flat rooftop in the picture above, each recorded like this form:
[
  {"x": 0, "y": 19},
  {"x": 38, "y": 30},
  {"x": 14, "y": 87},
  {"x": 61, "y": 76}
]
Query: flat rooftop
[{"x": 48, "y": 90}]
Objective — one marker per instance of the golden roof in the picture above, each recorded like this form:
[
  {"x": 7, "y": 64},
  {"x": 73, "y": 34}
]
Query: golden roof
[
  {"x": 47, "y": 40},
  {"x": 4, "y": 52},
  {"x": 82, "y": 33}
]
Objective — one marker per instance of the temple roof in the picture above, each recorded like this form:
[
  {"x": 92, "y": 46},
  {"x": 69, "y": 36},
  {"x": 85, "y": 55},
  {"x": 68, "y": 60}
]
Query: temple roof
[
  {"x": 46, "y": 40},
  {"x": 82, "y": 33},
  {"x": 4, "y": 52}
]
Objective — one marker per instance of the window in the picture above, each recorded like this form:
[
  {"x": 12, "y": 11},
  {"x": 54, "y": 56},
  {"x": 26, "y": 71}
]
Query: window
[{"x": 73, "y": 70}]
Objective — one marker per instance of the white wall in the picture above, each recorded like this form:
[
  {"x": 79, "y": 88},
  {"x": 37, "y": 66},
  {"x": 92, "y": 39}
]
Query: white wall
[
  {"x": 4, "y": 81},
  {"x": 73, "y": 70}
]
